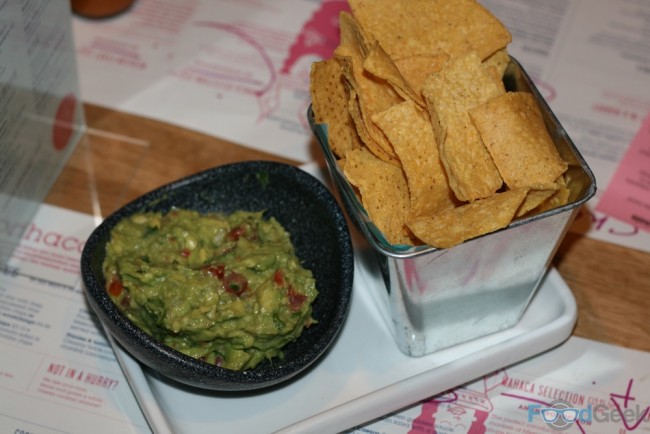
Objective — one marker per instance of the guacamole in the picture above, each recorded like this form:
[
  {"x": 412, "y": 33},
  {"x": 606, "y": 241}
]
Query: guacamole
[{"x": 226, "y": 289}]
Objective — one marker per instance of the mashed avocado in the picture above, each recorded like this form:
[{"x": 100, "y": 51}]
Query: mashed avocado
[{"x": 226, "y": 289}]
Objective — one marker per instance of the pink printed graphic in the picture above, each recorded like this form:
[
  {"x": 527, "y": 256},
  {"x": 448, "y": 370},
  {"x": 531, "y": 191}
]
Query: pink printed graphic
[
  {"x": 155, "y": 20},
  {"x": 252, "y": 85},
  {"x": 627, "y": 197},
  {"x": 626, "y": 398},
  {"x": 462, "y": 410},
  {"x": 252, "y": 70},
  {"x": 317, "y": 38}
]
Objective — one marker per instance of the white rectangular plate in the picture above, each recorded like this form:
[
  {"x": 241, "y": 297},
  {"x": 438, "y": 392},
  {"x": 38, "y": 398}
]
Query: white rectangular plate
[{"x": 362, "y": 377}]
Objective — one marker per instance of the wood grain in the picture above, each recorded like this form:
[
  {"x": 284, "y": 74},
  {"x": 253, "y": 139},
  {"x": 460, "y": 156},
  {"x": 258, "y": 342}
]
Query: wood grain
[{"x": 123, "y": 156}]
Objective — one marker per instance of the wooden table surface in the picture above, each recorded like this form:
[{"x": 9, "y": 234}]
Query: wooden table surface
[{"x": 123, "y": 156}]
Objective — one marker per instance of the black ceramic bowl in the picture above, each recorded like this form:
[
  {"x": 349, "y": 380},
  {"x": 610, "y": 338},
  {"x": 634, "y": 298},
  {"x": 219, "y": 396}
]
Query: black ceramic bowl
[{"x": 318, "y": 230}]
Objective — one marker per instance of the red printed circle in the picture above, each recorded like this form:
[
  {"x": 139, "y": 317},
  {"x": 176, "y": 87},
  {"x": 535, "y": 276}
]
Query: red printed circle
[{"x": 64, "y": 122}]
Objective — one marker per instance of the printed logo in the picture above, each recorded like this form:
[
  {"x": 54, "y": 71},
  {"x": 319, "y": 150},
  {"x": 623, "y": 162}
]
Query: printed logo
[{"x": 559, "y": 415}]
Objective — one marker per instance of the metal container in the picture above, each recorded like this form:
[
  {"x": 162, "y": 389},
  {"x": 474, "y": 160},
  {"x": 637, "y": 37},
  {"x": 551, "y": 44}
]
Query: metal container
[{"x": 436, "y": 298}]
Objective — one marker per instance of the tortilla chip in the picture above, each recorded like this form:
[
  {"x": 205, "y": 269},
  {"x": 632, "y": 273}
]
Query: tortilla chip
[
  {"x": 376, "y": 95},
  {"x": 354, "y": 41},
  {"x": 513, "y": 130},
  {"x": 452, "y": 227},
  {"x": 499, "y": 61},
  {"x": 408, "y": 129},
  {"x": 362, "y": 130},
  {"x": 561, "y": 197},
  {"x": 341, "y": 169},
  {"x": 381, "y": 66},
  {"x": 384, "y": 192},
  {"x": 328, "y": 96},
  {"x": 373, "y": 94},
  {"x": 416, "y": 69},
  {"x": 455, "y": 27},
  {"x": 535, "y": 198},
  {"x": 462, "y": 84}
]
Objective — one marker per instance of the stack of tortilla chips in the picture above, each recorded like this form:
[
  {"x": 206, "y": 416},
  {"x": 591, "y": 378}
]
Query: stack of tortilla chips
[{"x": 421, "y": 124}]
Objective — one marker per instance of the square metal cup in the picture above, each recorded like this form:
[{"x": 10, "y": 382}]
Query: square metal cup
[{"x": 436, "y": 298}]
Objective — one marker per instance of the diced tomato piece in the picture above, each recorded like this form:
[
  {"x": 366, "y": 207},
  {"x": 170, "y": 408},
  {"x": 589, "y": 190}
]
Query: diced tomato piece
[
  {"x": 278, "y": 278},
  {"x": 235, "y": 283},
  {"x": 236, "y": 233},
  {"x": 115, "y": 288},
  {"x": 126, "y": 301},
  {"x": 217, "y": 271},
  {"x": 186, "y": 253},
  {"x": 296, "y": 299}
]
